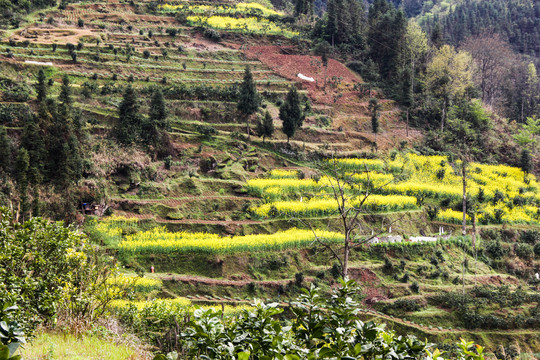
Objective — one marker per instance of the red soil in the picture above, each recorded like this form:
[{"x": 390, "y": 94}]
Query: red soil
[{"x": 289, "y": 66}]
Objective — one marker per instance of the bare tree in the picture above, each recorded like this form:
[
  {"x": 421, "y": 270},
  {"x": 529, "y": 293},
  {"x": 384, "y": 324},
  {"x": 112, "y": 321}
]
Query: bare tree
[
  {"x": 494, "y": 58},
  {"x": 350, "y": 197}
]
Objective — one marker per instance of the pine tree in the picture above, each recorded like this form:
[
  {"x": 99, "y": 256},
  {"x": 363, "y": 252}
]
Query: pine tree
[
  {"x": 265, "y": 126},
  {"x": 437, "y": 37},
  {"x": 291, "y": 113},
  {"x": 248, "y": 101},
  {"x": 129, "y": 125},
  {"x": 158, "y": 111},
  {"x": 32, "y": 140},
  {"x": 23, "y": 164},
  {"x": 526, "y": 161},
  {"x": 332, "y": 27},
  {"x": 41, "y": 86},
  {"x": 65, "y": 92},
  {"x": 74, "y": 163},
  {"x": 374, "y": 108},
  {"x": 36, "y": 205},
  {"x": 387, "y": 28},
  {"x": 5, "y": 150}
]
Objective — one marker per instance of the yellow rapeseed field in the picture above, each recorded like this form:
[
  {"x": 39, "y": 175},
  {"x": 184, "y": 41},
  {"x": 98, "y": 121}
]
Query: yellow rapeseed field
[{"x": 159, "y": 240}]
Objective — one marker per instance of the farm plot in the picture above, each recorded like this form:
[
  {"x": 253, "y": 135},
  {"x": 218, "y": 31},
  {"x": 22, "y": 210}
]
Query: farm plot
[
  {"x": 158, "y": 240},
  {"x": 241, "y": 17},
  {"x": 498, "y": 193}
]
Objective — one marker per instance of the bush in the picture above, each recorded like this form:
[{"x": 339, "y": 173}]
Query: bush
[
  {"x": 206, "y": 130},
  {"x": 537, "y": 249},
  {"x": 524, "y": 251},
  {"x": 146, "y": 54},
  {"x": 432, "y": 212},
  {"x": 495, "y": 250},
  {"x": 42, "y": 258},
  {"x": 298, "y": 279},
  {"x": 212, "y": 34},
  {"x": 172, "y": 32},
  {"x": 335, "y": 271},
  {"x": 415, "y": 288},
  {"x": 407, "y": 305},
  {"x": 80, "y": 23},
  {"x": 16, "y": 92},
  {"x": 530, "y": 236}
]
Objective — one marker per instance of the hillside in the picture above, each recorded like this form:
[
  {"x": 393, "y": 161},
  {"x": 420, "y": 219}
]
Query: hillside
[{"x": 123, "y": 119}]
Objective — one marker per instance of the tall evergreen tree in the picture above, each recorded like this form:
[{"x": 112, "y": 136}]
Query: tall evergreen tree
[
  {"x": 437, "y": 36},
  {"x": 290, "y": 112},
  {"x": 74, "y": 160},
  {"x": 249, "y": 100},
  {"x": 344, "y": 22},
  {"x": 374, "y": 108},
  {"x": 387, "y": 28},
  {"x": 23, "y": 164},
  {"x": 32, "y": 140},
  {"x": 265, "y": 126},
  {"x": 41, "y": 86},
  {"x": 129, "y": 125},
  {"x": 158, "y": 111},
  {"x": 65, "y": 92},
  {"x": 5, "y": 151},
  {"x": 526, "y": 161},
  {"x": 303, "y": 7}
]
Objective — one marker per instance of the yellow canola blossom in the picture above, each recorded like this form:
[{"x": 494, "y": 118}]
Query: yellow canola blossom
[
  {"x": 173, "y": 307},
  {"x": 241, "y": 8},
  {"x": 505, "y": 194},
  {"x": 251, "y": 24},
  {"x": 158, "y": 240},
  {"x": 140, "y": 305},
  {"x": 283, "y": 174},
  {"x": 328, "y": 206},
  {"x": 140, "y": 284}
]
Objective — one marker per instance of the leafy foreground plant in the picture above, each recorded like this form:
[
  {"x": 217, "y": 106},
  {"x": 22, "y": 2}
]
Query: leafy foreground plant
[
  {"x": 322, "y": 328},
  {"x": 11, "y": 336}
]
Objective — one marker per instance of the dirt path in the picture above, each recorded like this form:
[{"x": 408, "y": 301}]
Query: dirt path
[
  {"x": 191, "y": 279},
  {"x": 183, "y": 200}
]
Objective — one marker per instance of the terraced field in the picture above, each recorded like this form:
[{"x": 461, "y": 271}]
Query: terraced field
[{"x": 227, "y": 190}]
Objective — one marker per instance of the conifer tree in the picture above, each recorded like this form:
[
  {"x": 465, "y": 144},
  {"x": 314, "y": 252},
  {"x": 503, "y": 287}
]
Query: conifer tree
[
  {"x": 65, "y": 100},
  {"x": 129, "y": 125},
  {"x": 437, "y": 37},
  {"x": 387, "y": 28},
  {"x": 291, "y": 113},
  {"x": 41, "y": 86},
  {"x": 526, "y": 161},
  {"x": 32, "y": 140},
  {"x": 158, "y": 111},
  {"x": 74, "y": 160},
  {"x": 248, "y": 101},
  {"x": 23, "y": 164},
  {"x": 36, "y": 205},
  {"x": 265, "y": 126},
  {"x": 5, "y": 150},
  {"x": 374, "y": 108}
]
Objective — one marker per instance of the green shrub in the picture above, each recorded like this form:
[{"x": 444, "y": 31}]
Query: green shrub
[
  {"x": 530, "y": 237},
  {"x": 537, "y": 249},
  {"x": 524, "y": 251},
  {"x": 43, "y": 258}
]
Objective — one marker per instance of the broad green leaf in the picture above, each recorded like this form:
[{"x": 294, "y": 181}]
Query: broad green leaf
[{"x": 244, "y": 355}]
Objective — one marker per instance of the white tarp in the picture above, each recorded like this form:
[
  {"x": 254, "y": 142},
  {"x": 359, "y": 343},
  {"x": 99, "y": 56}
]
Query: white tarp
[
  {"x": 304, "y": 77},
  {"x": 38, "y": 63}
]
